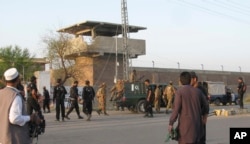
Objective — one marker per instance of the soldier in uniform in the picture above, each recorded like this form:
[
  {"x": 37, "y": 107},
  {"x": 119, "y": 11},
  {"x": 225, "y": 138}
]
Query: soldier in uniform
[
  {"x": 32, "y": 100},
  {"x": 169, "y": 94},
  {"x": 46, "y": 100},
  {"x": 101, "y": 97},
  {"x": 88, "y": 94},
  {"x": 157, "y": 101},
  {"x": 58, "y": 97},
  {"x": 149, "y": 99},
  {"x": 113, "y": 92},
  {"x": 74, "y": 101},
  {"x": 132, "y": 77},
  {"x": 119, "y": 94}
]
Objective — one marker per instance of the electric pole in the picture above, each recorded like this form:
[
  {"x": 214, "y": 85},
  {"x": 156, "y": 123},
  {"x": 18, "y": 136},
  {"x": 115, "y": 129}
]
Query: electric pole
[{"x": 125, "y": 35}]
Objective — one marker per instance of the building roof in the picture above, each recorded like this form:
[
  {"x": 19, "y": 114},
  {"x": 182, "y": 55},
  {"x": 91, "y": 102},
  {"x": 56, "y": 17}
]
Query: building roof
[{"x": 100, "y": 28}]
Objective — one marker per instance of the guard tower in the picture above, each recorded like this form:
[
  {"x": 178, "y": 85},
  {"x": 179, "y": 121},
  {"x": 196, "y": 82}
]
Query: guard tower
[{"x": 97, "y": 47}]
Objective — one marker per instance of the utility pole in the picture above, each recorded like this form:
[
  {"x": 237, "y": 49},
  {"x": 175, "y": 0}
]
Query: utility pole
[{"x": 125, "y": 35}]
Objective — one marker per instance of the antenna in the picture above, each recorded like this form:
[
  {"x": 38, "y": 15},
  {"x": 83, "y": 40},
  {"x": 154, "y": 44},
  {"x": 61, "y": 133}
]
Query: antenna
[{"x": 125, "y": 36}]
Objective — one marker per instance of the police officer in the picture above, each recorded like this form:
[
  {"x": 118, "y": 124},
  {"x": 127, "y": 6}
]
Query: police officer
[
  {"x": 101, "y": 96},
  {"x": 149, "y": 99},
  {"x": 241, "y": 91},
  {"x": 46, "y": 100},
  {"x": 74, "y": 100},
  {"x": 58, "y": 97},
  {"x": 32, "y": 100},
  {"x": 88, "y": 95}
]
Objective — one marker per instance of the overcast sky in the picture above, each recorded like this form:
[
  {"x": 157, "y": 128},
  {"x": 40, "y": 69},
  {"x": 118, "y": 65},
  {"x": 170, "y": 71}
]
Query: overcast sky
[{"x": 212, "y": 33}]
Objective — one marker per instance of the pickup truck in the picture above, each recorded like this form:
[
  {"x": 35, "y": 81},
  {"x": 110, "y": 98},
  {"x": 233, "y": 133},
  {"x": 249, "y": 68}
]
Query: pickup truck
[
  {"x": 219, "y": 93},
  {"x": 135, "y": 96}
]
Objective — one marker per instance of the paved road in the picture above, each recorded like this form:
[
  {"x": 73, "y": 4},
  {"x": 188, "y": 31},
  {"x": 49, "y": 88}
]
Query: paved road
[{"x": 128, "y": 128}]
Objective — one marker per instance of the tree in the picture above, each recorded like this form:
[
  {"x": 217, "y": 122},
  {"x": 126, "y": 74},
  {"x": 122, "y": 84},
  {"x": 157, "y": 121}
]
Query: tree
[
  {"x": 19, "y": 58},
  {"x": 57, "y": 45}
]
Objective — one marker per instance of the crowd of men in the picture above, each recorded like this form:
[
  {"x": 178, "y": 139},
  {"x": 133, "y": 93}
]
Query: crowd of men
[{"x": 189, "y": 104}]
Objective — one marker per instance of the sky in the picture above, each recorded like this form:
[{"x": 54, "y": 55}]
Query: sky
[{"x": 191, "y": 34}]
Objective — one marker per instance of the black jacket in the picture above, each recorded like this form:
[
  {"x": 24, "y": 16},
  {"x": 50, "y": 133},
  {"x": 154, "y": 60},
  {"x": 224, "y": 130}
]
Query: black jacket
[{"x": 88, "y": 93}]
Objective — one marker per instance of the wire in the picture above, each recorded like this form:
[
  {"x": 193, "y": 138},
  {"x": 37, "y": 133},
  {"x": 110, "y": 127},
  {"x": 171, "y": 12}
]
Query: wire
[
  {"x": 226, "y": 7},
  {"x": 213, "y": 12}
]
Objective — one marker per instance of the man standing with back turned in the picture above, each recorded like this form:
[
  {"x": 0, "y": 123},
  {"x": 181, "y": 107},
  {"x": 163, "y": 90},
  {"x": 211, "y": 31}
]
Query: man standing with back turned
[
  {"x": 14, "y": 127},
  {"x": 188, "y": 110}
]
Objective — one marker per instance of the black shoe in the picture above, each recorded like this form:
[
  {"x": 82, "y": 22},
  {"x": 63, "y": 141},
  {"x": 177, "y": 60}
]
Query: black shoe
[
  {"x": 80, "y": 117},
  {"x": 106, "y": 114},
  {"x": 146, "y": 115},
  {"x": 67, "y": 117},
  {"x": 63, "y": 119},
  {"x": 151, "y": 116},
  {"x": 57, "y": 120}
]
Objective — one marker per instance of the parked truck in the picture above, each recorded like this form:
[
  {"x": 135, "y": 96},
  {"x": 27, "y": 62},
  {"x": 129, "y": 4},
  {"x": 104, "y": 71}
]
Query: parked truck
[
  {"x": 219, "y": 93},
  {"x": 134, "y": 96}
]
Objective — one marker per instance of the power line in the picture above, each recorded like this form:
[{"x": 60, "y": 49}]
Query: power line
[
  {"x": 233, "y": 6},
  {"x": 226, "y": 7},
  {"x": 209, "y": 11}
]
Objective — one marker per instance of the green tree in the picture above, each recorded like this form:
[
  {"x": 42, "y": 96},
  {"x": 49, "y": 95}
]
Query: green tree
[{"x": 19, "y": 58}]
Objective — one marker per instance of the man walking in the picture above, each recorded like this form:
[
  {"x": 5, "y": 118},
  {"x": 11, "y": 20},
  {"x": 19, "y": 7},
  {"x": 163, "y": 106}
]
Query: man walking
[
  {"x": 241, "y": 91},
  {"x": 74, "y": 100},
  {"x": 88, "y": 95},
  {"x": 58, "y": 97},
  {"x": 188, "y": 110},
  {"x": 46, "y": 100}
]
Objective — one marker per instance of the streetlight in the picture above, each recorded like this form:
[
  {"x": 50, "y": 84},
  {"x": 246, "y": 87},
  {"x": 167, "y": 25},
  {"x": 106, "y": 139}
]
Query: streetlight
[
  {"x": 153, "y": 64},
  {"x": 240, "y": 68},
  {"x": 202, "y": 66},
  {"x": 178, "y": 65},
  {"x": 222, "y": 67}
]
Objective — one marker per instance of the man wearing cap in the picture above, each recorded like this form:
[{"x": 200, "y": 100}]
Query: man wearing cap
[
  {"x": 58, "y": 97},
  {"x": 88, "y": 95},
  {"x": 14, "y": 118},
  {"x": 241, "y": 91},
  {"x": 169, "y": 94},
  {"x": 32, "y": 101}
]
